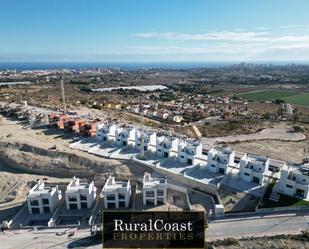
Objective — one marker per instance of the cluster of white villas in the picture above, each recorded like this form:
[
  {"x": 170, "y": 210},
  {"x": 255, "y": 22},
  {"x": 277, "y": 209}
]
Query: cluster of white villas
[
  {"x": 81, "y": 194},
  {"x": 294, "y": 181}
]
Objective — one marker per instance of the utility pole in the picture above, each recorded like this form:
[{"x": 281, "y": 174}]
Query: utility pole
[
  {"x": 142, "y": 152},
  {"x": 63, "y": 96}
]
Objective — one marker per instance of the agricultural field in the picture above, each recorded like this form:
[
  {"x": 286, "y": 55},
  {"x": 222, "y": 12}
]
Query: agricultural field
[
  {"x": 300, "y": 99},
  {"x": 269, "y": 95}
]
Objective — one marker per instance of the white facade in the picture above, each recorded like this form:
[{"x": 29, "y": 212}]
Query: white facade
[
  {"x": 294, "y": 181},
  {"x": 43, "y": 199},
  {"x": 154, "y": 190},
  {"x": 80, "y": 194},
  {"x": 178, "y": 119},
  {"x": 106, "y": 132},
  {"x": 116, "y": 194},
  {"x": 220, "y": 161},
  {"x": 167, "y": 146},
  {"x": 165, "y": 115},
  {"x": 254, "y": 169},
  {"x": 125, "y": 136},
  {"x": 190, "y": 151},
  {"x": 149, "y": 140}
]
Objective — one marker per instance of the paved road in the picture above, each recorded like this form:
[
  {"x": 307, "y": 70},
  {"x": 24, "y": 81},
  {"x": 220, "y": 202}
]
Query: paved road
[
  {"x": 257, "y": 226},
  {"x": 47, "y": 239},
  {"x": 243, "y": 226}
]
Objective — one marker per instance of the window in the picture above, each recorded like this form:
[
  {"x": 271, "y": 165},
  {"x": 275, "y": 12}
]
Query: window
[
  {"x": 213, "y": 165},
  {"x": 182, "y": 156},
  {"x": 289, "y": 186},
  {"x": 121, "y": 196},
  {"x": 160, "y": 201},
  {"x": 46, "y": 210},
  {"x": 122, "y": 204},
  {"x": 111, "y": 205},
  {"x": 149, "y": 194},
  {"x": 83, "y": 197},
  {"x": 160, "y": 192},
  {"x": 72, "y": 199},
  {"x": 73, "y": 206},
  {"x": 149, "y": 202},
  {"x": 34, "y": 203},
  {"x": 246, "y": 174},
  {"x": 110, "y": 197},
  {"x": 35, "y": 210},
  {"x": 45, "y": 201}
]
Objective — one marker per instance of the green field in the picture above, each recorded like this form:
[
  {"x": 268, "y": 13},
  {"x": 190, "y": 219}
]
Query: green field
[{"x": 269, "y": 95}]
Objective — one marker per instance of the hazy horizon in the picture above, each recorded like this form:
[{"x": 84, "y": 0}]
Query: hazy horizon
[{"x": 134, "y": 65}]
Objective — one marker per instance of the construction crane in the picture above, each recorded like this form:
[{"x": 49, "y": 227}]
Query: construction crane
[
  {"x": 63, "y": 96},
  {"x": 142, "y": 152}
]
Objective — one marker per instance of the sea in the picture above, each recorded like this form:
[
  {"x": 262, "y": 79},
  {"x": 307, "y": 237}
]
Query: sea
[{"x": 20, "y": 66}]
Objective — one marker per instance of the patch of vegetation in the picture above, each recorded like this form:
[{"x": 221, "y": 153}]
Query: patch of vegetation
[
  {"x": 267, "y": 95},
  {"x": 232, "y": 127},
  {"x": 278, "y": 97},
  {"x": 297, "y": 128},
  {"x": 301, "y": 99},
  {"x": 284, "y": 201},
  {"x": 226, "y": 242},
  {"x": 277, "y": 241},
  {"x": 268, "y": 193}
]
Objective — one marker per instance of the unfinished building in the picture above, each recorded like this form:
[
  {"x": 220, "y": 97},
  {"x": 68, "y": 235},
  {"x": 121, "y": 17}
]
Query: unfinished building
[
  {"x": 43, "y": 199},
  {"x": 154, "y": 190},
  {"x": 80, "y": 194}
]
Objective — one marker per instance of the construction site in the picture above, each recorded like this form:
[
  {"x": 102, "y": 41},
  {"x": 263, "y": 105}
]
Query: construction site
[{"x": 57, "y": 145}]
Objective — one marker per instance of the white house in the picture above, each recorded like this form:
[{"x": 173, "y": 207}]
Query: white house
[
  {"x": 106, "y": 132},
  {"x": 154, "y": 190},
  {"x": 149, "y": 140},
  {"x": 220, "y": 161},
  {"x": 116, "y": 194},
  {"x": 125, "y": 136},
  {"x": 178, "y": 119},
  {"x": 254, "y": 169},
  {"x": 189, "y": 151},
  {"x": 294, "y": 181},
  {"x": 80, "y": 194},
  {"x": 167, "y": 146},
  {"x": 165, "y": 115},
  {"x": 43, "y": 199}
]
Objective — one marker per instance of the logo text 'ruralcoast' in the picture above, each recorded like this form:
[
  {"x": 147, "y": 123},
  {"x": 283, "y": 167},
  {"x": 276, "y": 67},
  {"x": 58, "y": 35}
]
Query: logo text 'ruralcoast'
[{"x": 153, "y": 229}]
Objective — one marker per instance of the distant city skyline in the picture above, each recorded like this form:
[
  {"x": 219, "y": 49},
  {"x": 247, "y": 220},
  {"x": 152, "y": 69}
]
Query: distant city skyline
[{"x": 154, "y": 30}]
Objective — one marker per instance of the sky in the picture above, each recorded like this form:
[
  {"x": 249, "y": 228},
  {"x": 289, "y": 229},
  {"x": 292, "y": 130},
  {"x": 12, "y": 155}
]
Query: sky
[{"x": 154, "y": 30}]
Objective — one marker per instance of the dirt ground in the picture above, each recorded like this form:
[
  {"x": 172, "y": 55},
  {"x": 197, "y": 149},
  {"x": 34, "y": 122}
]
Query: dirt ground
[
  {"x": 21, "y": 144},
  {"x": 279, "y": 131},
  {"x": 281, "y": 150},
  {"x": 276, "y": 242},
  {"x": 14, "y": 186},
  {"x": 235, "y": 201},
  {"x": 22, "y": 148},
  {"x": 291, "y": 151}
]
